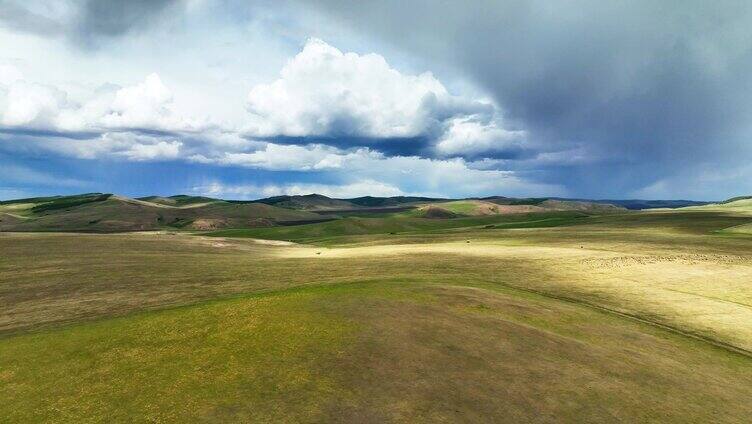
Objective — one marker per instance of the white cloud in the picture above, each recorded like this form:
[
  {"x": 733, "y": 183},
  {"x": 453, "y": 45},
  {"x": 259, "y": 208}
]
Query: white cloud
[
  {"x": 283, "y": 157},
  {"x": 323, "y": 91},
  {"x": 327, "y": 93},
  {"x": 9, "y": 74},
  {"x": 454, "y": 177},
  {"x": 146, "y": 105},
  {"x": 412, "y": 174},
  {"x": 468, "y": 136},
  {"x": 320, "y": 92},
  {"x": 28, "y": 104},
  {"x": 251, "y": 191},
  {"x": 117, "y": 145},
  {"x": 160, "y": 150}
]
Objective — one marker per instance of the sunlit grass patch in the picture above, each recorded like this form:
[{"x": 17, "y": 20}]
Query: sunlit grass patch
[{"x": 249, "y": 358}]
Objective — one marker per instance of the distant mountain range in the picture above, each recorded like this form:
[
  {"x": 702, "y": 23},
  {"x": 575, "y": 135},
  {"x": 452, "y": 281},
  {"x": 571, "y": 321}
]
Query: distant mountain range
[
  {"x": 319, "y": 202},
  {"x": 101, "y": 212}
]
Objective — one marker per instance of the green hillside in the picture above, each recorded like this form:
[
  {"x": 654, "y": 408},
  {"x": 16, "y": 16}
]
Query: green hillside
[
  {"x": 180, "y": 200},
  {"x": 381, "y": 202},
  {"x": 108, "y": 213},
  {"x": 310, "y": 202},
  {"x": 399, "y": 224}
]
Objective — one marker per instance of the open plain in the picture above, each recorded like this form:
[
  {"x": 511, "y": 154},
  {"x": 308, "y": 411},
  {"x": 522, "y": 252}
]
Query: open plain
[{"x": 634, "y": 316}]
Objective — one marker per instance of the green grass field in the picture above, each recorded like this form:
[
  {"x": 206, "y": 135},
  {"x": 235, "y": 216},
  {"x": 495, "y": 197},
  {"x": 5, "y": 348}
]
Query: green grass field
[
  {"x": 561, "y": 316},
  {"x": 399, "y": 224}
]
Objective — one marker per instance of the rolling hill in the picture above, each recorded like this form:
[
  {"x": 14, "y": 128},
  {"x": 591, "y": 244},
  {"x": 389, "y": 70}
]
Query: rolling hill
[
  {"x": 99, "y": 212},
  {"x": 503, "y": 205},
  {"x": 741, "y": 205},
  {"x": 103, "y": 212},
  {"x": 320, "y": 203},
  {"x": 383, "y": 202},
  {"x": 180, "y": 200},
  {"x": 638, "y": 204},
  {"x": 446, "y": 208},
  {"x": 308, "y": 202}
]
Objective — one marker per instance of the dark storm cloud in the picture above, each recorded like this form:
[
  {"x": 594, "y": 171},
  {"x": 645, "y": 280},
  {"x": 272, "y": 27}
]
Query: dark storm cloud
[
  {"x": 84, "y": 22},
  {"x": 394, "y": 146},
  {"x": 422, "y": 146},
  {"x": 112, "y": 18},
  {"x": 650, "y": 87},
  {"x": 73, "y": 135},
  {"x": 17, "y": 17}
]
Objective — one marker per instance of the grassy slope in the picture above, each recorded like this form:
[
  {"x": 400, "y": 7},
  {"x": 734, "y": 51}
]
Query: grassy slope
[
  {"x": 179, "y": 200},
  {"x": 502, "y": 205},
  {"x": 330, "y": 231},
  {"x": 742, "y": 206},
  {"x": 744, "y": 229},
  {"x": 105, "y": 213},
  {"x": 39, "y": 205},
  {"x": 377, "y": 202},
  {"x": 462, "y": 207},
  {"x": 308, "y": 202}
]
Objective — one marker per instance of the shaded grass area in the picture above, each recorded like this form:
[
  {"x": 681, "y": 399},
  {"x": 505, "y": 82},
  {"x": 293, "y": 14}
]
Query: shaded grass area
[
  {"x": 69, "y": 202},
  {"x": 743, "y": 229},
  {"x": 29, "y": 200},
  {"x": 371, "y": 352},
  {"x": 400, "y": 225},
  {"x": 693, "y": 222}
]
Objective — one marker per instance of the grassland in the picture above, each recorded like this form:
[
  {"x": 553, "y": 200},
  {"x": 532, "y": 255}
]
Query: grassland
[
  {"x": 632, "y": 317},
  {"x": 463, "y": 207},
  {"x": 744, "y": 229},
  {"x": 401, "y": 224},
  {"x": 739, "y": 206},
  {"x": 98, "y": 212}
]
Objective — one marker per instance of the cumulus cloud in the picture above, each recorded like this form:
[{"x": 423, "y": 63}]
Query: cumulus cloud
[
  {"x": 325, "y": 93},
  {"x": 346, "y": 99},
  {"x": 146, "y": 105},
  {"x": 284, "y": 157},
  {"x": 141, "y": 105},
  {"x": 114, "y": 145},
  {"x": 160, "y": 150},
  {"x": 9, "y": 74},
  {"x": 29, "y": 104},
  {"x": 469, "y": 137}
]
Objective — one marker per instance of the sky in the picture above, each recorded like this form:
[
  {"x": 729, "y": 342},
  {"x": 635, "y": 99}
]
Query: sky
[{"x": 249, "y": 99}]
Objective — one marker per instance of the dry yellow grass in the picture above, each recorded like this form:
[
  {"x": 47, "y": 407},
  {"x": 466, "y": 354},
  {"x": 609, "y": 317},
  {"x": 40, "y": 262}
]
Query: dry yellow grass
[{"x": 707, "y": 294}]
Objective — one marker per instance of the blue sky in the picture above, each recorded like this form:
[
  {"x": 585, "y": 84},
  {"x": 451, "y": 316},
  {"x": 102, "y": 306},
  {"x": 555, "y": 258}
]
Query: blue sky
[{"x": 247, "y": 99}]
